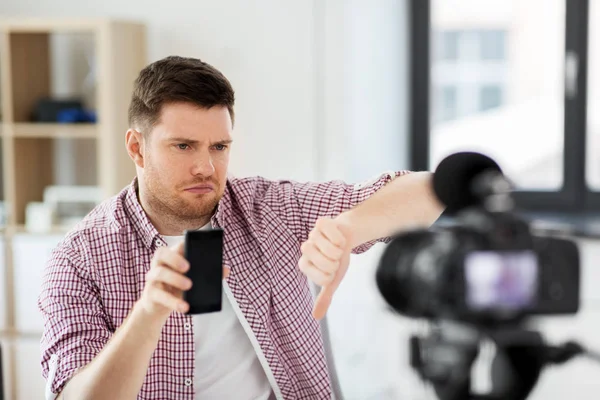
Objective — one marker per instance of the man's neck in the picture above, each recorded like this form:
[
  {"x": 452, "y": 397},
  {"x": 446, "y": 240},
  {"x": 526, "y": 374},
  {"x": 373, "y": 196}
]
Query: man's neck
[
  {"x": 167, "y": 224},
  {"x": 173, "y": 227}
]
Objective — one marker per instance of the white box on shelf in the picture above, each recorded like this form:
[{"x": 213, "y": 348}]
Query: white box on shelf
[
  {"x": 39, "y": 217},
  {"x": 71, "y": 203},
  {"x": 72, "y": 194},
  {"x": 30, "y": 254}
]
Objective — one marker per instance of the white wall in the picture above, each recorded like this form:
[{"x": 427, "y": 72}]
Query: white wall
[
  {"x": 378, "y": 86},
  {"x": 366, "y": 82}
]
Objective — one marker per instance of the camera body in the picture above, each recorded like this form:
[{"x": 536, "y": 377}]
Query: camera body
[{"x": 487, "y": 268}]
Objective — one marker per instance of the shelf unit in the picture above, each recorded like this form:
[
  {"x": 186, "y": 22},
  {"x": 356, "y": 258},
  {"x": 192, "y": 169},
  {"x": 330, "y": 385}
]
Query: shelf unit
[
  {"x": 45, "y": 130},
  {"x": 29, "y": 149}
]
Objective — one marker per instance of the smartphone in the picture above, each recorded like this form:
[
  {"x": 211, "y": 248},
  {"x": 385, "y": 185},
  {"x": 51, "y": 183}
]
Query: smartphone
[{"x": 204, "y": 252}]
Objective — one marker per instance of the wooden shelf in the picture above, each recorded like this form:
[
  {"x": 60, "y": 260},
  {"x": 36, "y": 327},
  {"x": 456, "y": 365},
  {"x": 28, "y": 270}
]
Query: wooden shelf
[
  {"x": 20, "y": 229},
  {"x": 44, "y": 130},
  {"x": 41, "y": 25},
  {"x": 12, "y": 334}
]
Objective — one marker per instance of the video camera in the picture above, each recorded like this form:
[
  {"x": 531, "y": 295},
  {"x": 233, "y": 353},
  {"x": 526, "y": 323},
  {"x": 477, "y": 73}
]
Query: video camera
[{"x": 480, "y": 276}]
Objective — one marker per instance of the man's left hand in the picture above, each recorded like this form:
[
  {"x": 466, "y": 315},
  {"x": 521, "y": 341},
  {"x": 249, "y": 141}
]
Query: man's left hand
[{"x": 325, "y": 259}]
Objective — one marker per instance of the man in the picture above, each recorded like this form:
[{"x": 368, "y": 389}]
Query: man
[{"x": 115, "y": 322}]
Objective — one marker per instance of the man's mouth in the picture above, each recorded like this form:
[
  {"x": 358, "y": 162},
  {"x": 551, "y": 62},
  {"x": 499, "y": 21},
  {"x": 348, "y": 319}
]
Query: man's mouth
[{"x": 200, "y": 189}]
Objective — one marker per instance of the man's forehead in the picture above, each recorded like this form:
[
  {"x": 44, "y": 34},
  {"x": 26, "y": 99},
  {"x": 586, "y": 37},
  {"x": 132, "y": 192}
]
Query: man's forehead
[
  {"x": 193, "y": 134},
  {"x": 184, "y": 120}
]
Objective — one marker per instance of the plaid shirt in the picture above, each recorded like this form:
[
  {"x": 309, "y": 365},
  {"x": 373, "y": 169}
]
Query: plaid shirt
[{"x": 97, "y": 273}]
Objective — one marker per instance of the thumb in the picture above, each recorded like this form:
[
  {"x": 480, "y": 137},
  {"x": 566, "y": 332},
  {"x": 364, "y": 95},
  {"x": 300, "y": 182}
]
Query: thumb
[{"x": 324, "y": 298}]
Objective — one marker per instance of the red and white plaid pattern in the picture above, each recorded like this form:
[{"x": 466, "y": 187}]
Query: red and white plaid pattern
[{"x": 97, "y": 273}]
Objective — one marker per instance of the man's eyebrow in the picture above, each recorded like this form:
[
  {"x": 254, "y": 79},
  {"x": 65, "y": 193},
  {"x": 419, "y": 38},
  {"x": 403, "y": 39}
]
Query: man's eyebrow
[
  {"x": 182, "y": 140},
  {"x": 192, "y": 141},
  {"x": 226, "y": 141}
]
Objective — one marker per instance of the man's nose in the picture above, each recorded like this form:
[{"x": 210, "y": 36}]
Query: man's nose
[{"x": 204, "y": 166}]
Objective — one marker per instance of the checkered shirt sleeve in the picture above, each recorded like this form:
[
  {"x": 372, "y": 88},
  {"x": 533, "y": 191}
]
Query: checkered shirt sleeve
[
  {"x": 76, "y": 327},
  {"x": 329, "y": 199}
]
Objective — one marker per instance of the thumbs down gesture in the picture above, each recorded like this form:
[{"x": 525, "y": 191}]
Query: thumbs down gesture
[{"x": 325, "y": 259}]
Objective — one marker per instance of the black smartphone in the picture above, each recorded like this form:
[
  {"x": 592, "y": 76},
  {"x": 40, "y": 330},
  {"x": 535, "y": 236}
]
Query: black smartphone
[{"x": 204, "y": 252}]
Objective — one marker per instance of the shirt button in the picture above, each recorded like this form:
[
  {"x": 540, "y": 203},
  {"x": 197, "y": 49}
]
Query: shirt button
[
  {"x": 188, "y": 382},
  {"x": 187, "y": 326}
]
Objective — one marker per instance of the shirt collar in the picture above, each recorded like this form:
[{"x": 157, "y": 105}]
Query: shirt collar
[
  {"x": 218, "y": 218},
  {"x": 142, "y": 225}
]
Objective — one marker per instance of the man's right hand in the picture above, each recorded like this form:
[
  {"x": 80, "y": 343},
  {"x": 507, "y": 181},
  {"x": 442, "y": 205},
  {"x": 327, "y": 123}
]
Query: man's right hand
[
  {"x": 166, "y": 282},
  {"x": 124, "y": 360}
]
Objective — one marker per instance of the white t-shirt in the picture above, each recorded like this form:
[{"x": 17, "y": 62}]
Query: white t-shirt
[{"x": 226, "y": 365}]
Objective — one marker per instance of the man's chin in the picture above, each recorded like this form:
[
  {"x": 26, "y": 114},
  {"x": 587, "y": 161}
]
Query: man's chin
[
  {"x": 202, "y": 207},
  {"x": 194, "y": 213}
]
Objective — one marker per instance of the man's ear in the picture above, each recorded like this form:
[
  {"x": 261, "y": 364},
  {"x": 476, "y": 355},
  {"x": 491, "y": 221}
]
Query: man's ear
[{"x": 134, "y": 142}]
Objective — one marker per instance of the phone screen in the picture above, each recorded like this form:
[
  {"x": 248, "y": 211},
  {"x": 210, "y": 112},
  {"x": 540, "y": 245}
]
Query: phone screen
[{"x": 204, "y": 252}]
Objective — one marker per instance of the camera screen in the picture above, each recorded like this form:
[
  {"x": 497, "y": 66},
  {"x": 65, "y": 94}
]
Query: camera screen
[{"x": 501, "y": 280}]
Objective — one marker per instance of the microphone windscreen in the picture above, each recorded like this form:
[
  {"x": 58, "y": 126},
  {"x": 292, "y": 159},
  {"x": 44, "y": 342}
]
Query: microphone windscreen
[{"x": 454, "y": 176}]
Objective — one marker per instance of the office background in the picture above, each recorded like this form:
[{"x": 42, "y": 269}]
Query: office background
[{"x": 334, "y": 89}]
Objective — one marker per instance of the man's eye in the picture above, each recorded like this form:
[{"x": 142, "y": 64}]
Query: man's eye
[
  {"x": 183, "y": 146},
  {"x": 220, "y": 147}
]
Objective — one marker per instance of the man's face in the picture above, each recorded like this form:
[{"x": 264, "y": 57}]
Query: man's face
[{"x": 185, "y": 160}]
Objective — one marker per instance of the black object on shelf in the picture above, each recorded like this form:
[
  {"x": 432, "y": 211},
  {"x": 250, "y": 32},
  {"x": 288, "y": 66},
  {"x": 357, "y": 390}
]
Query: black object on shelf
[{"x": 51, "y": 110}]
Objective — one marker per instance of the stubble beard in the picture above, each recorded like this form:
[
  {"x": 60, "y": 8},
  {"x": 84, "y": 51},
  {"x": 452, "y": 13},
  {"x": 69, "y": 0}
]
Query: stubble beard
[{"x": 168, "y": 203}]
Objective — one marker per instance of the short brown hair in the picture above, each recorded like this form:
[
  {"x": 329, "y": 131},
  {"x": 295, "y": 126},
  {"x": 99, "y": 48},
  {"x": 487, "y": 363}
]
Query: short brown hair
[{"x": 177, "y": 79}]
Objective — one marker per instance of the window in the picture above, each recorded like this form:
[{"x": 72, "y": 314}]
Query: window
[
  {"x": 490, "y": 97},
  {"x": 449, "y": 45},
  {"x": 467, "y": 84},
  {"x": 446, "y": 110},
  {"x": 520, "y": 71},
  {"x": 534, "y": 94},
  {"x": 492, "y": 44}
]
